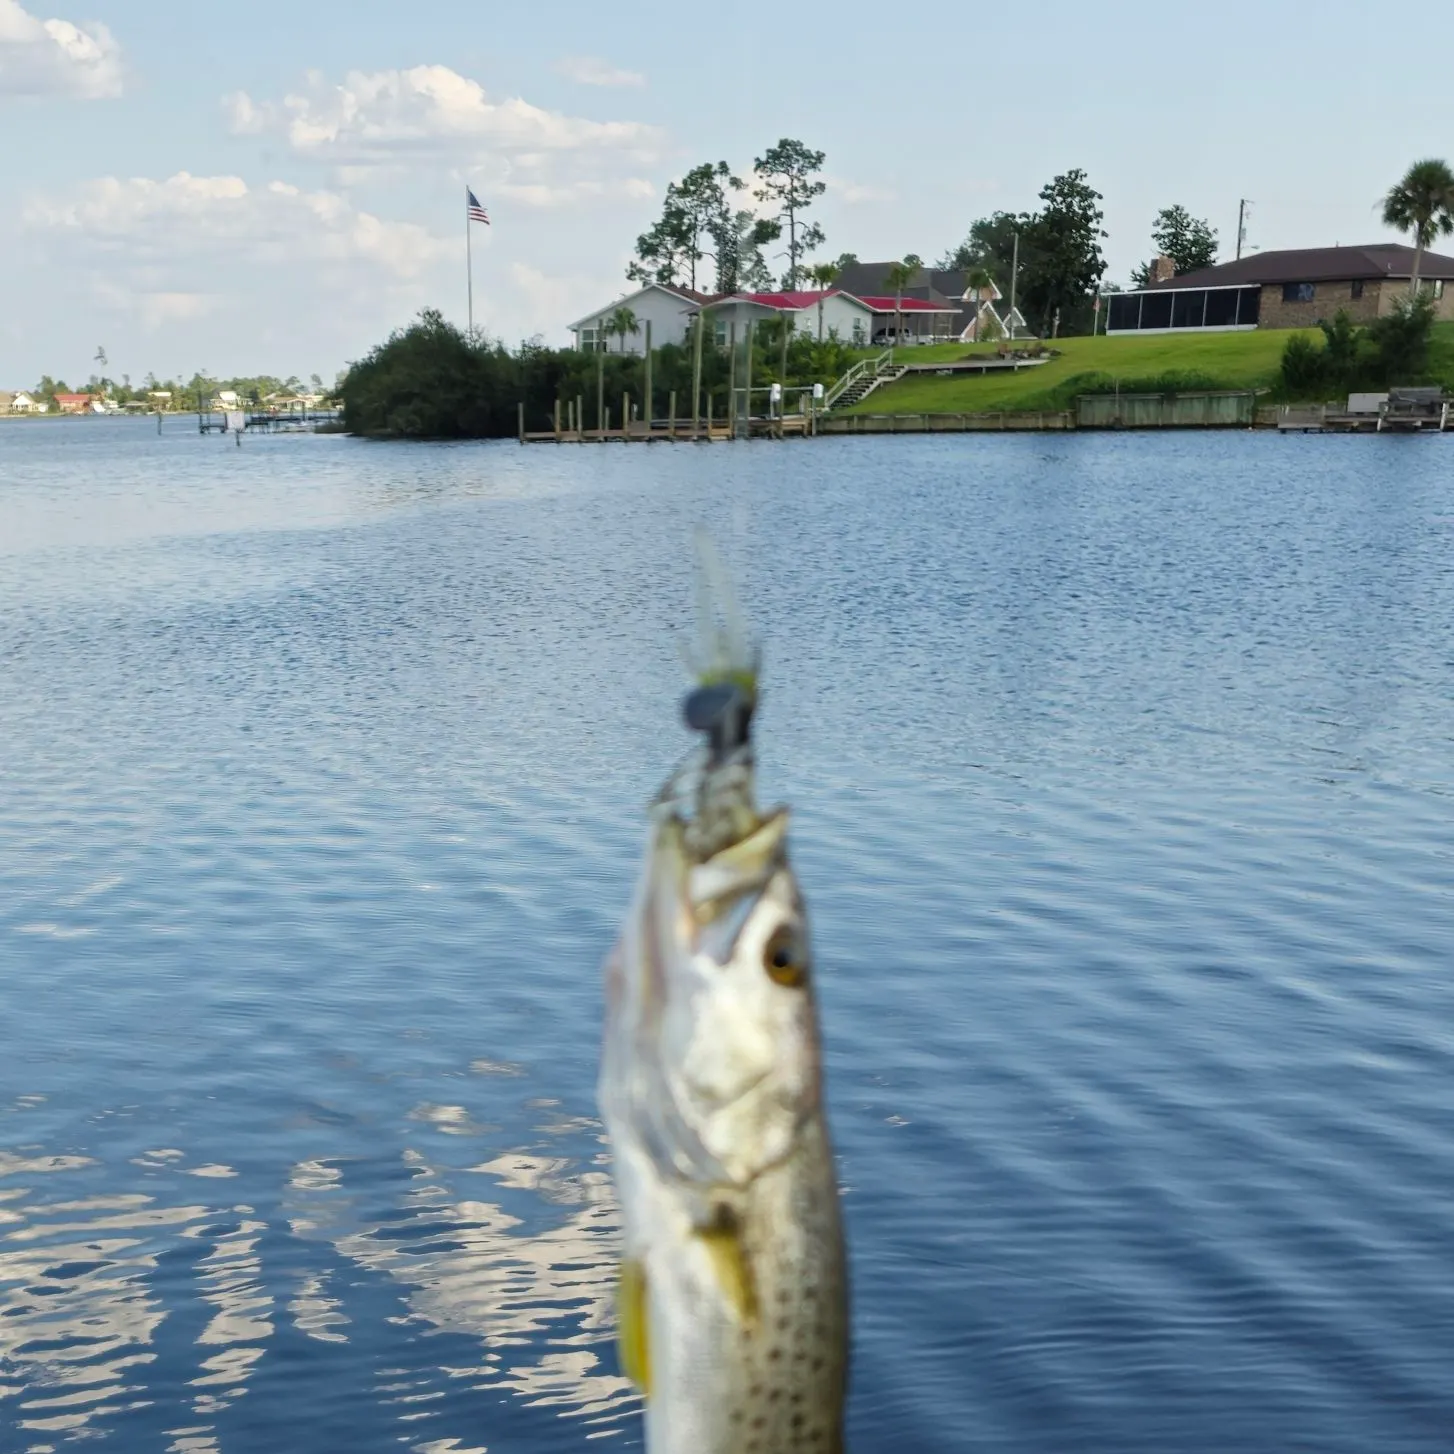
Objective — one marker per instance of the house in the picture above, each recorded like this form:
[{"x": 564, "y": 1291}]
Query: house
[
  {"x": 7, "y": 397},
  {"x": 666, "y": 307},
  {"x": 970, "y": 316},
  {"x": 845, "y": 316},
  {"x": 1297, "y": 288},
  {"x": 73, "y": 403},
  {"x": 24, "y": 403}
]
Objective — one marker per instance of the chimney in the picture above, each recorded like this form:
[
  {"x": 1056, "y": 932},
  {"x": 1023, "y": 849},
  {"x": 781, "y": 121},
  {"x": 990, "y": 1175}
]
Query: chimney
[{"x": 1162, "y": 269}]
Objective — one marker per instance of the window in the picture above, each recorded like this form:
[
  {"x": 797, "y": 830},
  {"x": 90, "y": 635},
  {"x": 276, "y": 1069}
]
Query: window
[
  {"x": 1438, "y": 289},
  {"x": 1188, "y": 310},
  {"x": 1355, "y": 288},
  {"x": 1298, "y": 292},
  {"x": 591, "y": 340},
  {"x": 719, "y": 334},
  {"x": 1125, "y": 311},
  {"x": 1156, "y": 310},
  {"x": 1222, "y": 307}
]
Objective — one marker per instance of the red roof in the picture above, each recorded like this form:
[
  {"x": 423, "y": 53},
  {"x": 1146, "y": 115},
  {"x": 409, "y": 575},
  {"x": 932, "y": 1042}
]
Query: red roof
[
  {"x": 789, "y": 302},
  {"x": 906, "y": 305},
  {"x": 794, "y": 302},
  {"x": 73, "y": 398}
]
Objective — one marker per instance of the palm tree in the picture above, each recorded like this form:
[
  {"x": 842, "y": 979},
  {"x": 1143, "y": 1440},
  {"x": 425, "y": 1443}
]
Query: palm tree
[
  {"x": 825, "y": 275},
  {"x": 977, "y": 281},
  {"x": 1423, "y": 204},
  {"x": 897, "y": 278},
  {"x": 622, "y": 322}
]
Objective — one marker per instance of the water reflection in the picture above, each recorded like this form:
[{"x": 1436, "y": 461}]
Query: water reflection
[
  {"x": 540, "y": 1301},
  {"x": 86, "y": 1285},
  {"x": 78, "y": 1316}
]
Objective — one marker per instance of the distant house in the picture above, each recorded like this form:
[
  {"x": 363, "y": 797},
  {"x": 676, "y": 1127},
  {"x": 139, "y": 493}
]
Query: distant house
[
  {"x": 7, "y": 397},
  {"x": 852, "y": 317},
  {"x": 969, "y": 316},
  {"x": 24, "y": 403},
  {"x": 1297, "y": 288},
  {"x": 668, "y": 309},
  {"x": 857, "y": 318},
  {"x": 74, "y": 403}
]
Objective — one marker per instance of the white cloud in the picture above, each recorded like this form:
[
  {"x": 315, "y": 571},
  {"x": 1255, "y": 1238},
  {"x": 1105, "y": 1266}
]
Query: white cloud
[
  {"x": 858, "y": 193},
  {"x": 222, "y": 270},
  {"x": 545, "y": 194},
  {"x": 593, "y": 71},
  {"x": 55, "y": 58},
  {"x": 375, "y": 116},
  {"x": 221, "y": 222}
]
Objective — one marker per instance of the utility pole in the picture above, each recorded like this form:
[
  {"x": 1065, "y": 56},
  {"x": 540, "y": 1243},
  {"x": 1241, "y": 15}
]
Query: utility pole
[{"x": 1243, "y": 207}]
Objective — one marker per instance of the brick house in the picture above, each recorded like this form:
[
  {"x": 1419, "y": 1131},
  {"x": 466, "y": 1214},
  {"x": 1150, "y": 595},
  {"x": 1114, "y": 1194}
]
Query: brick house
[{"x": 1292, "y": 289}]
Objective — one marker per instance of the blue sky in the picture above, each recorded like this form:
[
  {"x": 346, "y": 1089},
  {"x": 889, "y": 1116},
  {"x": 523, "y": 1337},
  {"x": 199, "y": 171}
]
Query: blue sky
[{"x": 278, "y": 191}]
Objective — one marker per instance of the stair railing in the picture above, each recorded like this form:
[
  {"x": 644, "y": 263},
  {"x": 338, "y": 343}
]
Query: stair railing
[{"x": 864, "y": 366}]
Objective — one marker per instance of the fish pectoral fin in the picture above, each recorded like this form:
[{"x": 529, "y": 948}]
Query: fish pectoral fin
[
  {"x": 727, "y": 1252},
  {"x": 632, "y": 1344}
]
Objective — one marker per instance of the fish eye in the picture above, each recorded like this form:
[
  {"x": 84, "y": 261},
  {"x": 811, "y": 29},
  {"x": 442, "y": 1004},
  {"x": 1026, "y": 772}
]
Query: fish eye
[{"x": 785, "y": 956}]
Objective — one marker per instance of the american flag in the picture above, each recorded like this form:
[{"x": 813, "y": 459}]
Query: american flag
[{"x": 473, "y": 211}]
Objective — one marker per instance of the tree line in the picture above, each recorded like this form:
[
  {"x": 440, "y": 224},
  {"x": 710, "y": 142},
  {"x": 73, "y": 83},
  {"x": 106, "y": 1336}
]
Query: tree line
[
  {"x": 185, "y": 395},
  {"x": 704, "y": 221},
  {"x": 431, "y": 380}
]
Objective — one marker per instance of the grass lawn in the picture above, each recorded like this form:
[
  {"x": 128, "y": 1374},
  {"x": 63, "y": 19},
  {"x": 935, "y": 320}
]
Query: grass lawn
[
  {"x": 1227, "y": 360},
  {"x": 1219, "y": 360}
]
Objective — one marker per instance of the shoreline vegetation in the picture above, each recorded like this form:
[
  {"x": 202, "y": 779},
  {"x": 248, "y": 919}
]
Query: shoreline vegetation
[{"x": 431, "y": 381}]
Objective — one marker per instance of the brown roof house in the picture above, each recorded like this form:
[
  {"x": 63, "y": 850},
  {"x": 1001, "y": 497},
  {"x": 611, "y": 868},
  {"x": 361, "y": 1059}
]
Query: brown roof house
[
  {"x": 956, "y": 313},
  {"x": 1292, "y": 289}
]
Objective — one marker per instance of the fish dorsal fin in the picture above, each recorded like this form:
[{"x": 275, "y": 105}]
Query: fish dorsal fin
[
  {"x": 728, "y": 1254},
  {"x": 632, "y": 1343}
]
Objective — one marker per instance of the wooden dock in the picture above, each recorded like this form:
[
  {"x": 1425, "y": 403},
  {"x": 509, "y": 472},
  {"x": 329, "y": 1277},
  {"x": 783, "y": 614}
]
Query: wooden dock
[{"x": 640, "y": 431}]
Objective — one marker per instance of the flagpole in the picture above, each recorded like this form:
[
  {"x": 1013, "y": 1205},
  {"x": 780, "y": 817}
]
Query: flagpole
[{"x": 469, "y": 260}]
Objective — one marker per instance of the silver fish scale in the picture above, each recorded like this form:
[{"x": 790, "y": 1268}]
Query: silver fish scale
[{"x": 776, "y": 1384}]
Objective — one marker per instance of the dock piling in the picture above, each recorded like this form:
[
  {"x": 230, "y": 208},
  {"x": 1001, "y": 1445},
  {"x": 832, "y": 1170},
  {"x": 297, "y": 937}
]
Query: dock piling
[
  {"x": 649, "y": 408},
  {"x": 671, "y": 415}
]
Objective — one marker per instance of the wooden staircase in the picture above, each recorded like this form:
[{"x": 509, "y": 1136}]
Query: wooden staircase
[{"x": 862, "y": 379}]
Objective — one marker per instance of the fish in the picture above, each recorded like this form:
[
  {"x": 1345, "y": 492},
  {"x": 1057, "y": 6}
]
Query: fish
[{"x": 733, "y": 1314}]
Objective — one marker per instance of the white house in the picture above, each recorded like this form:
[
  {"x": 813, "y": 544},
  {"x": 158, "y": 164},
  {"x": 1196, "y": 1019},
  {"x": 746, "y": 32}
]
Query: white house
[
  {"x": 855, "y": 319},
  {"x": 668, "y": 309},
  {"x": 850, "y": 318},
  {"x": 26, "y": 404}
]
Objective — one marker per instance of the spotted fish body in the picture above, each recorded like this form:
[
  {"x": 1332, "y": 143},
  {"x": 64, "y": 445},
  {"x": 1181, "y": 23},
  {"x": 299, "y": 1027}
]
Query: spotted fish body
[{"x": 733, "y": 1308}]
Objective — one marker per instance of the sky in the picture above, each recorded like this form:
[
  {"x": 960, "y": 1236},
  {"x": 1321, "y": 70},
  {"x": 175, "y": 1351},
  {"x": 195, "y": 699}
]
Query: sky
[{"x": 275, "y": 192}]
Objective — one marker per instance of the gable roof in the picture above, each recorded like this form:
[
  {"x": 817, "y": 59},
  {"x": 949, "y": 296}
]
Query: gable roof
[
  {"x": 1315, "y": 265},
  {"x": 872, "y": 279},
  {"x": 790, "y": 302},
  {"x": 798, "y": 301},
  {"x": 888, "y": 304},
  {"x": 687, "y": 295}
]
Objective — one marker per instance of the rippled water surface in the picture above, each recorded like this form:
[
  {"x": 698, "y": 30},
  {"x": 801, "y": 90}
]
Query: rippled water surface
[{"x": 1122, "y": 773}]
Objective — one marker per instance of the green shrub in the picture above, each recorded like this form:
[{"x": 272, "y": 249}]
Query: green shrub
[
  {"x": 429, "y": 381},
  {"x": 1302, "y": 366},
  {"x": 1400, "y": 342}
]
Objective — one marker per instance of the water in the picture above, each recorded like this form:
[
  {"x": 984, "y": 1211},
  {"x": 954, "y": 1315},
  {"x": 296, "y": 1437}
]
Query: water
[{"x": 1122, "y": 773}]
